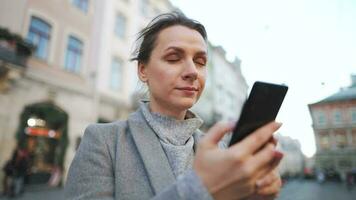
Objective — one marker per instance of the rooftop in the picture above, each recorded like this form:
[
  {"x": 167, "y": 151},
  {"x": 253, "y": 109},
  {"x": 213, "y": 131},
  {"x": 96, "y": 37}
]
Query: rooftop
[{"x": 348, "y": 93}]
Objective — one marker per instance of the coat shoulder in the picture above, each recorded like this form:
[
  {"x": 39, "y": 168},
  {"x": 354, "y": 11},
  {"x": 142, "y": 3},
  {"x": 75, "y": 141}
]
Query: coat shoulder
[{"x": 108, "y": 129}]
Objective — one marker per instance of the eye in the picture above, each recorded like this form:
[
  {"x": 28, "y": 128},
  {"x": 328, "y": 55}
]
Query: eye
[
  {"x": 200, "y": 61},
  {"x": 173, "y": 58}
]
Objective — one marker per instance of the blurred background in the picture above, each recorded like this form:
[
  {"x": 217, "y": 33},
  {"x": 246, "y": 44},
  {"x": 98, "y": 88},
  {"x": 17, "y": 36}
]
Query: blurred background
[{"x": 65, "y": 64}]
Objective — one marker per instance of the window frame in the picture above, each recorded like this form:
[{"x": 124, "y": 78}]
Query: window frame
[
  {"x": 43, "y": 36},
  {"x": 353, "y": 115},
  {"x": 80, "y": 6},
  {"x": 318, "y": 115},
  {"x": 74, "y": 53},
  {"x": 335, "y": 114},
  {"x": 123, "y": 26},
  {"x": 119, "y": 74},
  {"x": 325, "y": 141}
]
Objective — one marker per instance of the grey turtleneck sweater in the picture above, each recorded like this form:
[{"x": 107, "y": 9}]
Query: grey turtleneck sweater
[{"x": 176, "y": 138}]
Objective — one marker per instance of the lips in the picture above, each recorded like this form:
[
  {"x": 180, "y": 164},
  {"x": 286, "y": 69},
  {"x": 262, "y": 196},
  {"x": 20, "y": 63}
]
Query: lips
[{"x": 188, "y": 88}]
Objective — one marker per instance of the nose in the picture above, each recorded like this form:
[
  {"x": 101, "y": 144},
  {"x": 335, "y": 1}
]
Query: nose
[{"x": 190, "y": 73}]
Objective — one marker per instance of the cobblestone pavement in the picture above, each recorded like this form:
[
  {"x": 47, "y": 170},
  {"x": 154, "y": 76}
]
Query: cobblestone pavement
[
  {"x": 311, "y": 190},
  {"x": 39, "y": 193},
  {"x": 292, "y": 190}
]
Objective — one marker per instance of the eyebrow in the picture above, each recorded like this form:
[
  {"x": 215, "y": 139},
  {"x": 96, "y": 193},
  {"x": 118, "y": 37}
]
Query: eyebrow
[{"x": 180, "y": 50}]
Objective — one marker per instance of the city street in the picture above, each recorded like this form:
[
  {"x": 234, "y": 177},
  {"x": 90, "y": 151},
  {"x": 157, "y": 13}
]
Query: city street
[
  {"x": 311, "y": 190},
  {"x": 292, "y": 190},
  {"x": 40, "y": 193}
]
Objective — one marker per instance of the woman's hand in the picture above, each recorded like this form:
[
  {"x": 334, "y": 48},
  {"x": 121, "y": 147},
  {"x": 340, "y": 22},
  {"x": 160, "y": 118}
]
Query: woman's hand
[
  {"x": 232, "y": 173},
  {"x": 268, "y": 187}
]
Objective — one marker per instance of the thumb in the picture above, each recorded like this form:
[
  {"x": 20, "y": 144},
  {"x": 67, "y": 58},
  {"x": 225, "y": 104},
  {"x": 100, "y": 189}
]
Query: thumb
[{"x": 217, "y": 132}]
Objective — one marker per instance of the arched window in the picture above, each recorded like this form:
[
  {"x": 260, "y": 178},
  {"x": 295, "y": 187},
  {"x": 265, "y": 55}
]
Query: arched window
[{"x": 39, "y": 34}]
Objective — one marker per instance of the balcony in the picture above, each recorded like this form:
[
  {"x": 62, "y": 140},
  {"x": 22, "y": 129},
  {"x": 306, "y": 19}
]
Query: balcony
[
  {"x": 14, "y": 52},
  {"x": 9, "y": 56}
]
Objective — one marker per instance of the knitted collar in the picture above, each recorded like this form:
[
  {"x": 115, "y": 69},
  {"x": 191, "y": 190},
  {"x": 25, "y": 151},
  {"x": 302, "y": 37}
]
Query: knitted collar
[{"x": 169, "y": 129}]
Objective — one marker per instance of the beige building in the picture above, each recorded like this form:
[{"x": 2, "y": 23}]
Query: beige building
[
  {"x": 46, "y": 108},
  {"x": 116, "y": 26},
  {"x": 78, "y": 74}
]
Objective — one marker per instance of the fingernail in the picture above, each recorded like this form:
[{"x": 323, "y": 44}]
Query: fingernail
[
  {"x": 278, "y": 124},
  {"x": 277, "y": 154}
]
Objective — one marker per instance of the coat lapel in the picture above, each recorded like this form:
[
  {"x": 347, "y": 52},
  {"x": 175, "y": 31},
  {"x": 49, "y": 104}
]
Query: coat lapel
[{"x": 153, "y": 156}]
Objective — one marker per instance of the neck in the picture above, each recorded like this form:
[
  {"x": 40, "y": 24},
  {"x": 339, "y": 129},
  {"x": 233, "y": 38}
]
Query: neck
[{"x": 166, "y": 110}]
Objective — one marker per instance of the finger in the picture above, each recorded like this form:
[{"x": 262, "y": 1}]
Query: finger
[
  {"x": 267, "y": 180},
  {"x": 272, "y": 189},
  {"x": 257, "y": 139},
  {"x": 274, "y": 141},
  {"x": 271, "y": 167},
  {"x": 216, "y": 133},
  {"x": 259, "y": 162},
  {"x": 277, "y": 158}
]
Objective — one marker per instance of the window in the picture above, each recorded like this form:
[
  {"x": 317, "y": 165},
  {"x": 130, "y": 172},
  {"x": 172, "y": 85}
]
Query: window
[
  {"x": 73, "y": 55},
  {"x": 116, "y": 74},
  {"x": 144, "y": 6},
  {"x": 337, "y": 117},
  {"x": 353, "y": 115},
  {"x": 320, "y": 118},
  {"x": 120, "y": 25},
  {"x": 345, "y": 164},
  {"x": 81, "y": 4},
  {"x": 341, "y": 140},
  {"x": 39, "y": 35},
  {"x": 353, "y": 133},
  {"x": 324, "y": 141}
]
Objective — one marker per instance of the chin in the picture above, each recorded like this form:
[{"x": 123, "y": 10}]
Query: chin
[{"x": 185, "y": 103}]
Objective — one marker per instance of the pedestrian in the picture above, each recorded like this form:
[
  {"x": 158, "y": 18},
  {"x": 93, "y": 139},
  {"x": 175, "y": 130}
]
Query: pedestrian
[
  {"x": 159, "y": 152},
  {"x": 56, "y": 176},
  {"x": 20, "y": 170},
  {"x": 320, "y": 176},
  {"x": 8, "y": 178},
  {"x": 349, "y": 180}
]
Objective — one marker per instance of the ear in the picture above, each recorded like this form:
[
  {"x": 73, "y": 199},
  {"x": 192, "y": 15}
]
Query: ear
[{"x": 142, "y": 72}]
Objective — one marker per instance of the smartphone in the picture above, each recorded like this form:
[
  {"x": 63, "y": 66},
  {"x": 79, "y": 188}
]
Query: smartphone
[{"x": 261, "y": 107}]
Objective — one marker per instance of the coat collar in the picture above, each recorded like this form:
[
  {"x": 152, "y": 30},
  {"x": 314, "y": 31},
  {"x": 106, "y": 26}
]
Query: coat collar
[{"x": 151, "y": 152}]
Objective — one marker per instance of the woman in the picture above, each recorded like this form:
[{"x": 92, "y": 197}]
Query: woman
[{"x": 155, "y": 152}]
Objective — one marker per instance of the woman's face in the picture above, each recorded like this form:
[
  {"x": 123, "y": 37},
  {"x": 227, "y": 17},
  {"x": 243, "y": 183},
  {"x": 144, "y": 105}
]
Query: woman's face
[{"x": 176, "y": 72}]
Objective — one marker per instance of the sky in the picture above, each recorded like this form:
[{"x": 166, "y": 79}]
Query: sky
[{"x": 309, "y": 45}]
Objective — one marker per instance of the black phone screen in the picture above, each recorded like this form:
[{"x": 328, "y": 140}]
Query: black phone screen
[{"x": 261, "y": 107}]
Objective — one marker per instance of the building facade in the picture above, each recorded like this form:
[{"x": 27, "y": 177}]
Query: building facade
[
  {"x": 293, "y": 161},
  {"x": 78, "y": 74},
  {"x": 334, "y": 124},
  {"x": 116, "y": 26},
  {"x": 46, "y": 108},
  {"x": 225, "y": 90}
]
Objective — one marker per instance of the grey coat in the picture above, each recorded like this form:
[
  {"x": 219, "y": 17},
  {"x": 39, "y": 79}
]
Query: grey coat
[{"x": 125, "y": 160}]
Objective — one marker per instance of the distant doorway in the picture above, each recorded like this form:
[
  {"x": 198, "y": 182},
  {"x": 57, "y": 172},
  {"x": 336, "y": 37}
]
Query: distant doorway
[{"x": 43, "y": 133}]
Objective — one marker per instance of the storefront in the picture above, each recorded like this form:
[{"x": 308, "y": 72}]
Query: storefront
[{"x": 42, "y": 133}]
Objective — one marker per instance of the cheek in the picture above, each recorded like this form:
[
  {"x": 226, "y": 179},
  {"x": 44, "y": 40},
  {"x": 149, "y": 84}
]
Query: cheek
[
  {"x": 162, "y": 78},
  {"x": 202, "y": 78}
]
